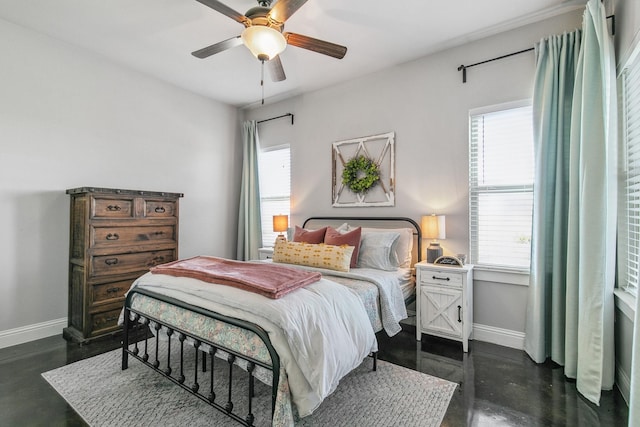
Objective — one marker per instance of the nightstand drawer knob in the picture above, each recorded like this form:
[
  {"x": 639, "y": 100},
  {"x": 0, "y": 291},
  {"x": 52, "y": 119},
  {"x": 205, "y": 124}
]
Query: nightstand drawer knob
[{"x": 440, "y": 278}]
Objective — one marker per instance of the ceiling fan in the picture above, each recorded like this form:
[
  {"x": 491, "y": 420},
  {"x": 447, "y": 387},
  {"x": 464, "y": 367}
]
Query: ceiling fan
[{"x": 263, "y": 34}]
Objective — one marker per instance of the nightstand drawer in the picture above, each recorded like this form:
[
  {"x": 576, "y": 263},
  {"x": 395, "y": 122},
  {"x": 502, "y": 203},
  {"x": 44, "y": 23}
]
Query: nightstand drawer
[
  {"x": 265, "y": 253},
  {"x": 441, "y": 278}
]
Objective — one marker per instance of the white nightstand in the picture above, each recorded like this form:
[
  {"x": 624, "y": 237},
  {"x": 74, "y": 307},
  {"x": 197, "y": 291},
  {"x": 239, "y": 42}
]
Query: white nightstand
[
  {"x": 265, "y": 253},
  {"x": 444, "y": 301}
]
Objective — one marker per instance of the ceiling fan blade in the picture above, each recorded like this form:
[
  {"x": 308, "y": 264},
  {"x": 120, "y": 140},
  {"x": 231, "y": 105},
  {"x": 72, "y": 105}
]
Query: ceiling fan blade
[
  {"x": 217, "y": 48},
  {"x": 225, "y": 10},
  {"x": 320, "y": 46},
  {"x": 283, "y": 9},
  {"x": 276, "y": 70}
]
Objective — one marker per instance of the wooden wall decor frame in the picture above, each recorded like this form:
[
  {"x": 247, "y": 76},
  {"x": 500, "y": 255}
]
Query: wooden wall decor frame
[{"x": 379, "y": 148}]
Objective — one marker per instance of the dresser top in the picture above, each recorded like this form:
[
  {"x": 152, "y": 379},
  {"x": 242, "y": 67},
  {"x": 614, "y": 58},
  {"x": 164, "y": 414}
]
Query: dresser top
[{"x": 97, "y": 190}]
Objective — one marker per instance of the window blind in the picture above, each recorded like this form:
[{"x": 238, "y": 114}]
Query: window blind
[
  {"x": 630, "y": 227},
  {"x": 274, "y": 169},
  {"x": 501, "y": 172}
]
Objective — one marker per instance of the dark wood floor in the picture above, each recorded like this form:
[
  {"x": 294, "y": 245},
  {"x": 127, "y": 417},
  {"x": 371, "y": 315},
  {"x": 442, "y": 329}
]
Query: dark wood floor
[{"x": 498, "y": 386}]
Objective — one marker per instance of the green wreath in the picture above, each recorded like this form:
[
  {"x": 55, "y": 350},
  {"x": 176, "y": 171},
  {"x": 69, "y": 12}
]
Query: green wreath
[{"x": 360, "y": 174}]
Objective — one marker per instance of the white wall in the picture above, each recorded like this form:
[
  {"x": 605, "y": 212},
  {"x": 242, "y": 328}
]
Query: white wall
[
  {"x": 69, "y": 118},
  {"x": 627, "y": 19},
  {"x": 426, "y": 104}
]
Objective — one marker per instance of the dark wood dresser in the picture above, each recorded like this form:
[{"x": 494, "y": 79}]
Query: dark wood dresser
[{"x": 115, "y": 236}]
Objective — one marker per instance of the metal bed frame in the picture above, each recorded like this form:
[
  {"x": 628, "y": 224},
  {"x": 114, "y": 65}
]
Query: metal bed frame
[
  {"x": 132, "y": 349},
  {"x": 397, "y": 219},
  {"x": 131, "y": 342}
]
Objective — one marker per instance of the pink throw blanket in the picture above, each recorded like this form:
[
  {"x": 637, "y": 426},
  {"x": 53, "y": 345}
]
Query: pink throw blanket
[{"x": 272, "y": 281}]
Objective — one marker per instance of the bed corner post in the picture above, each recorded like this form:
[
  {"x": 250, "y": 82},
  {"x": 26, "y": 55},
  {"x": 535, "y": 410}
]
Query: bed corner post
[{"x": 125, "y": 338}]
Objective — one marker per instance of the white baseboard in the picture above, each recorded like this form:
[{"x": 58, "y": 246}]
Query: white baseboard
[
  {"x": 624, "y": 383},
  {"x": 504, "y": 337},
  {"x": 33, "y": 332}
]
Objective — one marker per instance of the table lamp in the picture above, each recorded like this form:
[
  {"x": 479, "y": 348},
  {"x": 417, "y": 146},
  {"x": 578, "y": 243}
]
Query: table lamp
[
  {"x": 433, "y": 227},
  {"x": 280, "y": 225}
]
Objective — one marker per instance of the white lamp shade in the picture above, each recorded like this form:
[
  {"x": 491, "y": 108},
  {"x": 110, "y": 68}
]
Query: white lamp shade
[
  {"x": 264, "y": 42},
  {"x": 433, "y": 227}
]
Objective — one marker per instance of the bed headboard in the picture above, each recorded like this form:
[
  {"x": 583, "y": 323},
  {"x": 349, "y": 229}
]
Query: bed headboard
[{"x": 373, "y": 222}]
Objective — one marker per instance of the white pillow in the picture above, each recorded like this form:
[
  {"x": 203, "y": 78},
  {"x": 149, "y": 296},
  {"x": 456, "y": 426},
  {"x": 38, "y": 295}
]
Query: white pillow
[
  {"x": 404, "y": 245},
  {"x": 344, "y": 228},
  {"x": 377, "y": 250}
]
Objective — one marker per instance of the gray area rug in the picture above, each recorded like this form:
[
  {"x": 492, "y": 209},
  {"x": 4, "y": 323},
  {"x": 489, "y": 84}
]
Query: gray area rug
[{"x": 104, "y": 395}]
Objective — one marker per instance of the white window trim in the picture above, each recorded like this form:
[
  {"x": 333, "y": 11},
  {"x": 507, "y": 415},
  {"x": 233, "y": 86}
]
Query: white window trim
[
  {"x": 625, "y": 294},
  {"x": 625, "y": 302},
  {"x": 492, "y": 273},
  {"x": 266, "y": 150},
  {"x": 508, "y": 276},
  {"x": 499, "y": 107}
]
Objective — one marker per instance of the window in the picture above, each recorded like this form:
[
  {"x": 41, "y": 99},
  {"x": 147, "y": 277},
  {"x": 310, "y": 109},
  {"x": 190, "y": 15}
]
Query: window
[
  {"x": 629, "y": 224},
  {"x": 274, "y": 166},
  {"x": 501, "y": 175}
]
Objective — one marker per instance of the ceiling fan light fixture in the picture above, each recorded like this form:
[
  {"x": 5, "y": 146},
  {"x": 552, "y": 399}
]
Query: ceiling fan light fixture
[{"x": 264, "y": 42}]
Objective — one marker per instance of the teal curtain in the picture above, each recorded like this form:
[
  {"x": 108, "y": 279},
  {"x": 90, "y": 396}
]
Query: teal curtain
[
  {"x": 570, "y": 307},
  {"x": 592, "y": 211},
  {"x": 556, "y": 61},
  {"x": 249, "y": 222}
]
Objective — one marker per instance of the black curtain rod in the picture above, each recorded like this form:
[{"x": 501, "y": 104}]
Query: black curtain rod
[
  {"x": 279, "y": 117},
  {"x": 463, "y": 68}
]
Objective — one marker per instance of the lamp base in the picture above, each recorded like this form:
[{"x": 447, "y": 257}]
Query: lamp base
[
  {"x": 434, "y": 251},
  {"x": 280, "y": 238}
]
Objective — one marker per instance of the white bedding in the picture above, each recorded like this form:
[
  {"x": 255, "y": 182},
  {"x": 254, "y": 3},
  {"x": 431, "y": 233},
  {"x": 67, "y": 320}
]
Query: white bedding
[
  {"x": 392, "y": 306},
  {"x": 321, "y": 332}
]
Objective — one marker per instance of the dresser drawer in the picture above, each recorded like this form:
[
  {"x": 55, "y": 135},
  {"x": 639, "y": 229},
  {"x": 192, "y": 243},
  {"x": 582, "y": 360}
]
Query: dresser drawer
[
  {"x": 441, "y": 278},
  {"x": 112, "y": 208},
  {"x": 160, "y": 208},
  {"x": 119, "y": 236},
  {"x": 104, "y": 322},
  {"x": 103, "y": 265},
  {"x": 104, "y": 293}
]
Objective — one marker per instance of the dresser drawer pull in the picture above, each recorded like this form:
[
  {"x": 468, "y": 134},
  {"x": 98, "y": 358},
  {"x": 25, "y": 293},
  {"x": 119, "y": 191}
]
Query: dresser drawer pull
[
  {"x": 160, "y": 209},
  {"x": 113, "y": 290},
  {"x": 155, "y": 261},
  {"x": 111, "y": 261},
  {"x": 106, "y": 320},
  {"x": 113, "y": 236},
  {"x": 114, "y": 208},
  {"x": 159, "y": 233},
  {"x": 440, "y": 278},
  {"x": 459, "y": 318}
]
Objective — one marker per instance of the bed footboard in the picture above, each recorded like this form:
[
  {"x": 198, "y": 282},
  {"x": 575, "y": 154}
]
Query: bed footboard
[{"x": 176, "y": 336}]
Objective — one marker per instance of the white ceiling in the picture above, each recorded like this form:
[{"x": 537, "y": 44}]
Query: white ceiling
[{"x": 156, "y": 37}]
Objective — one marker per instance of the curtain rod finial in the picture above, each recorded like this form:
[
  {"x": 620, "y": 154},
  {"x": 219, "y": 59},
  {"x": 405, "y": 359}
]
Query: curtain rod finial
[{"x": 464, "y": 73}]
